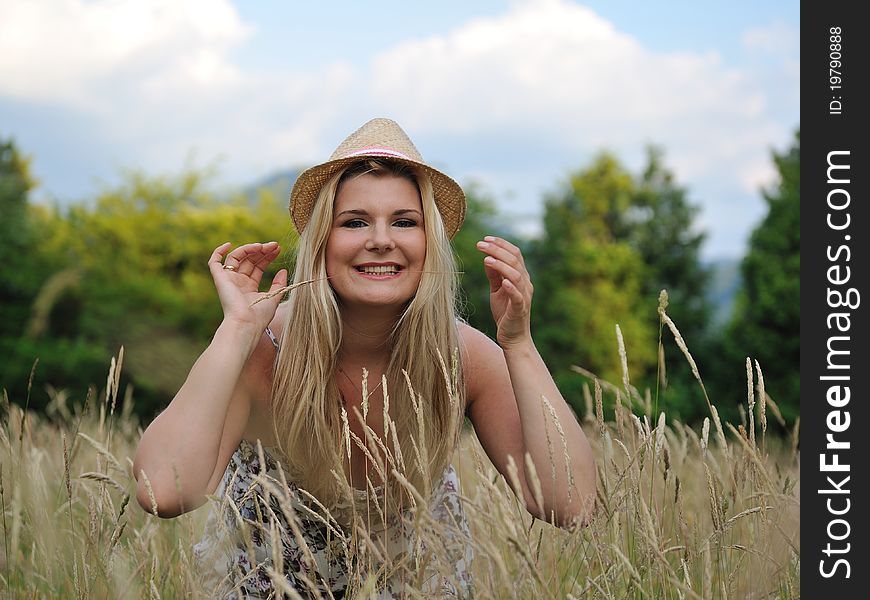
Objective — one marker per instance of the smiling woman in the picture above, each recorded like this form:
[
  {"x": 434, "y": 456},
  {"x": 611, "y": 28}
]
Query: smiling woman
[{"x": 329, "y": 485}]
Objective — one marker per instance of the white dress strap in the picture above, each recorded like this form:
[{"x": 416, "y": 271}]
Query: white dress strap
[{"x": 273, "y": 338}]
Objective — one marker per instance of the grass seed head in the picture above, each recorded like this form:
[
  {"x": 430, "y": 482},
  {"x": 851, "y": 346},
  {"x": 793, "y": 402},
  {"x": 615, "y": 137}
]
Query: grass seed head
[{"x": 762, "y": 395}]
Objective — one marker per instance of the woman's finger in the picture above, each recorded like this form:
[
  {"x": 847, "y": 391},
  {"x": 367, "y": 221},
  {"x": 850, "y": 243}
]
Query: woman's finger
[
  {"x": 507, "y": 246},
  {"x": 265, "y": 259},
  {"x": 280, "y": 279},
  {"x": 518, "y": 300},
  {"x": 278, "y": 282},
  {"x": 492, "y": 274},
  {"x": 498, "y": 270},
  {"x": 507, "y": 269},
  {"x": 215, "y": 261},
  {"x": 245, "y": 258},
  {"x": 502, "y": 253},
  {"x": 240, "y": 258}
]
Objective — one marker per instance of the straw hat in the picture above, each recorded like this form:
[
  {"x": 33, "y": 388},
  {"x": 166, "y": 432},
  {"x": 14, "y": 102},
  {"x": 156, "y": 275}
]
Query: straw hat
[{"x": 379, "y": 138}]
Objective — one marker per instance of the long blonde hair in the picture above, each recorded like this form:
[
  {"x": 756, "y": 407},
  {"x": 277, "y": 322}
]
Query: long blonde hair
[{"x": 425, "y": 404}]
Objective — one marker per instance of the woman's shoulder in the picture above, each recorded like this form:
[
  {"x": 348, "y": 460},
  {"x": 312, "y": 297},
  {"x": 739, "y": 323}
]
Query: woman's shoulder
[
  {"x": 481, "y": 357},
  {"x": 473, "y": 341}
]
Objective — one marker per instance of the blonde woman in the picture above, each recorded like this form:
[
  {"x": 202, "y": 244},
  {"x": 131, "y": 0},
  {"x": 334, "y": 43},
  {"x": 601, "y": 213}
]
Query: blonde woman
[{"x": 326, "y": 424}]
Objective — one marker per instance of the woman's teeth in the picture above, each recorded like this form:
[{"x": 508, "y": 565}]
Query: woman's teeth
[{"x": 389, "y": 270}]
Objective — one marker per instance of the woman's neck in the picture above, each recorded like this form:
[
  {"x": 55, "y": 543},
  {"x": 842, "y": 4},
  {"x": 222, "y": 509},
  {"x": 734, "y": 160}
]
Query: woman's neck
[{"x": 365, "y": 337}]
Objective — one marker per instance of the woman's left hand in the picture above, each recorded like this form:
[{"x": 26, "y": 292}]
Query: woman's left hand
[{"x": 510, "y": 291}]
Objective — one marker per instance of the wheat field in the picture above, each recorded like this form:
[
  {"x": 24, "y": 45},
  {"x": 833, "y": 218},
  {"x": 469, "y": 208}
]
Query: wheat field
[{"x": 681, "y": 513}]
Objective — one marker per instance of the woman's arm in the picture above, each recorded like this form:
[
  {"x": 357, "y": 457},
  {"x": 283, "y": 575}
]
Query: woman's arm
[
  {"x": 183, "y": 445},
  {"x": 507, "y": 388},
  {"x": 186, "y": 437}
]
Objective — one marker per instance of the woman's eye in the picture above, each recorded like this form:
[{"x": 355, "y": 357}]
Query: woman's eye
[
  {"x": 406, "y": 223},
  {"x": 355, "y": 223}
]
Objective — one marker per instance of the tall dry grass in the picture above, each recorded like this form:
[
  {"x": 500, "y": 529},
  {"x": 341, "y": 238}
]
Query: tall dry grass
[{"x": 681, "y": 513}]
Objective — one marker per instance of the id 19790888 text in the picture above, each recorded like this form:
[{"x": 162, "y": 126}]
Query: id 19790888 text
[{"x": 835, "y": 70}]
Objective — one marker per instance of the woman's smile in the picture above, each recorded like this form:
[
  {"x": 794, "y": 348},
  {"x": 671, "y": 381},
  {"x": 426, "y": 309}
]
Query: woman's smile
[{"x": 380, "y": 271}]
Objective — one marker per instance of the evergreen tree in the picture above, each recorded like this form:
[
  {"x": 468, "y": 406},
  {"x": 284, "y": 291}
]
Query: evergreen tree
[
  {"x": 659, "y": 224},
  {"x": 17, "y": 280},
  {"x": 766, "y": 321}
]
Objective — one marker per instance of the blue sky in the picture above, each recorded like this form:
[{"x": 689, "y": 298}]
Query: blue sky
[
  {"x": 512, "y": 95},
  {"x": 662, "y": 26}
]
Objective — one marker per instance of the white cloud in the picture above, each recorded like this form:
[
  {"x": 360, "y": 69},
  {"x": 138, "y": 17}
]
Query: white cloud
[
  {"x": 58, "y": 50},
  {"x": 558, "y": 71},
  {"x": 523, "y": 96},
  {"x": 776, "y": 38},
  {"x": 158, "y": 80}
]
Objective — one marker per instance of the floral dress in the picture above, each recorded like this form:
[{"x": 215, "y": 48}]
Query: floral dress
[{"x": 230, "y": 567}]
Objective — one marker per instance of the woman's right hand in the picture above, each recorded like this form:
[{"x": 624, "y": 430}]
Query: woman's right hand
[{"x": 239, "y": 287}]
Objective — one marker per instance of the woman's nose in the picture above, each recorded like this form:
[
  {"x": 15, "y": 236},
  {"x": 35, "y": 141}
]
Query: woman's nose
[{"x": 380, "y": 238}]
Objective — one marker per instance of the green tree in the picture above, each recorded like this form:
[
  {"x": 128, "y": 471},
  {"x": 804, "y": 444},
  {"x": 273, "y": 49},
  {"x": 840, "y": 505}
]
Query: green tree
[
  {"x": 588, "y": 278},
  {"x": 766, "y": 321},
  {"x": 659, "y": 224},
  {"x": 17, "y": 278}
]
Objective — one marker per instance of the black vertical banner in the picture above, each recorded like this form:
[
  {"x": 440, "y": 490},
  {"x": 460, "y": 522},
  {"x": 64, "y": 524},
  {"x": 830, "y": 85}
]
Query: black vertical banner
[{"x": 835, "y": 225}]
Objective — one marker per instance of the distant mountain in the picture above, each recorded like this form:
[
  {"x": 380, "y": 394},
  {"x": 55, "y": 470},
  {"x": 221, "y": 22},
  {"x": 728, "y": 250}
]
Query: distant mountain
[
  {"x": 279, "y": 183},
  {"x": 722, "y": 292}
]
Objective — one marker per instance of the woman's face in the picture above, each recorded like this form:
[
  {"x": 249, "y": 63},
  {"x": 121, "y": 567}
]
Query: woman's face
[{"x": 377, "y": 246}]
